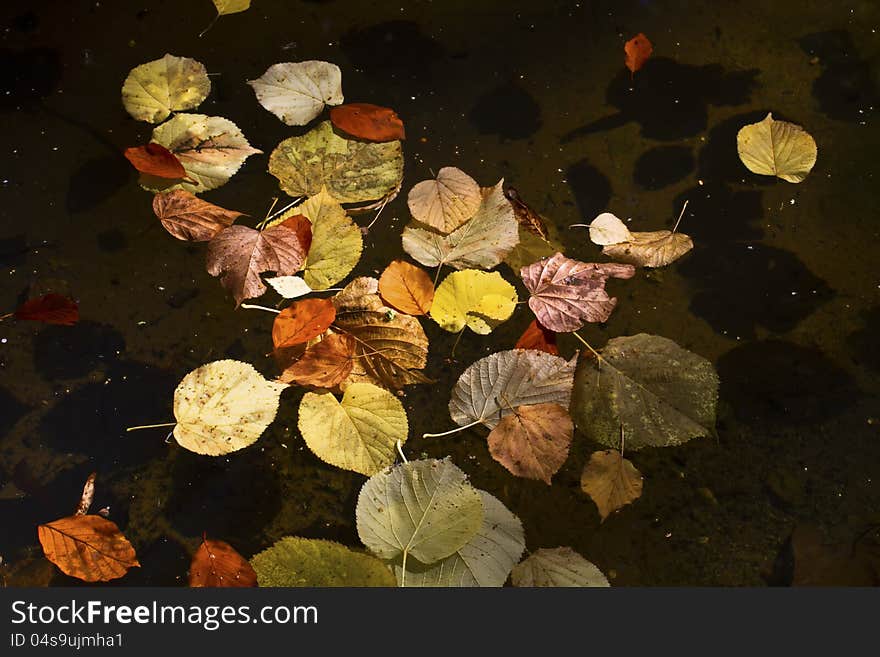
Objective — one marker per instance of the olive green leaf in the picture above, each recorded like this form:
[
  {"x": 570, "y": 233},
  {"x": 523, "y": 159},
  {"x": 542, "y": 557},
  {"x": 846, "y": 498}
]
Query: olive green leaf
[
  {"x": 171, "y": 84},
  {"x": 777, "y": 148}
]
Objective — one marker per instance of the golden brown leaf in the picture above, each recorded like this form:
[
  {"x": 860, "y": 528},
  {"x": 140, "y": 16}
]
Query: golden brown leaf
[
  {"x": 325, "y": 364},
  {"x": 217, "y": 564},
  {"x": 88, "y": 547},
  {"x": 611, "y": 481},
  {"x": 407, "y": 288},
  {"x": 533, "y": 441},
  {"x": 366, "y": 121},
  {"x": 187, "y": 217},
  {"x": 637, "y": 50},
  {"x": 655, "y": 248}
]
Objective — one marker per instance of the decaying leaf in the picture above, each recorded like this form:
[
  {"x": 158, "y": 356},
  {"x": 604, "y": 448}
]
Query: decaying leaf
[
  {"x": 359, "y": 433},
  {"x": 658, "y": 392},
  {"x": 50, "y": 309},
  {"x": 447, "y": 202},
  {"x": 366, "y": 121},
  {"x": 223, "y": 406},
  {"x": 289, "y": 287},
  {"x": 171, "y": 84},
  {"x": 88, "y": 496},
  {"x": 239, "y": 255},
  {"x": 302, "y": 321},
  {"x": 406, "y": 288},
  {"x": 88, "y": 547},
  {"x": 533, "y": 441},
  {"x": 557, "y": 567},
  {"x": 294, "y": 561},
  {"x": 296, "y": 92},
  {"x": 155, "y": 160},
  {"x": 189, "y": 218},
  {"x": 325, "y": 364},
  {"x": 477, "y": 299},
  {"x": 637, "y": 50},
  {"x": 611, "y": 481},
  {"x": 532, "y": 248},
  {"x": 777, "y": 148},
  {"x": 217, "y": 564},
  {"x": 568, "y": 293},
  {"x": 643, "y": 249},
  {"x": 526, "y": 216},
  {"x": 538, "y": 337}
]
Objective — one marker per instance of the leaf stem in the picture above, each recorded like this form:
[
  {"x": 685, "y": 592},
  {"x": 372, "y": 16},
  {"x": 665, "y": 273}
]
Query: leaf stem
[
  {"x": 579, "y": 226},
  {"x": 674, "y": 228},
  {"x": 151, "y": 426},
  {"x": 587, "y": 345},
  {"x": 381, "y": 207},
  {"x": 210, "y": 25},
  {"x": 403, "y": 571},
  {"x": 7, "y": 315},
  {"x": 400, "y": 451},
  {"x": 253, "y": 306},
  {"x": 452, "y": 431}
]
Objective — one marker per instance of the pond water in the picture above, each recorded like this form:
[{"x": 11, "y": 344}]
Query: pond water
[{"x": 781, "y": 292}]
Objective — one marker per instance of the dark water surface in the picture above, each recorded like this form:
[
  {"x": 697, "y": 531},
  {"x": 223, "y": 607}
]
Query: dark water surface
[{"x": 782, "y": 291}]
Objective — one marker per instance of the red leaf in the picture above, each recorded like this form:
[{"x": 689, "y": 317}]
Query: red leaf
[
  {"x": 155, "y": 160},
  {"x": 538, "y": 337},
  {"x": 216, "y": 563},
  {"x": 300, "y": 225},
  {"x": 370, "y": 122},
  {"x": 637, "y": 50},
  {"x": 51, "y": 309}
]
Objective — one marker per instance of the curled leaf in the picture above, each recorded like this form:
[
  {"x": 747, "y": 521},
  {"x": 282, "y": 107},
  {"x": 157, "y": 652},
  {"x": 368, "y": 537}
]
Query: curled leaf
[
  {"x": 656, "y": 248},
  {"x": 189, "y": 218},
  {"x": 366, "y": 121},
  {"x": 171, "y": 84},
  {"x": 296, "y": 92},
  {"x": 407, "y": 288}
]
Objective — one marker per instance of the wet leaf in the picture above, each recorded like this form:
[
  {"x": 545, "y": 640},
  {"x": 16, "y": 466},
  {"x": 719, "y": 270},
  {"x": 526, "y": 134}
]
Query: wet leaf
[
  {"x": 538, "y": 337},
  {"x": 352, "y": 171},
  {"x": 225, "y": 7},
  {"x": 325, "y": 364},
  {"x": 661, "y": 394},
  {"x": 533, "y": 441},
  {"x": 777, "y": 148},
  {"x": 88, "y": 496},
  {"x": 407, "y": 288},
  {"x": 217, "y": 564},
  {"x": 447, "y": 202},
  {"x": 189, "y": 218},
  {"x": 638, "y": 50},
  {"x": 223, "y": 406},
  {"x": 294, "y": 561},
  {"x": 50, "y": 309},
  {"x": 608, "y": 229},
  {"x": 424, "y": 509},
  {"x": 171, "y": 84},
  {"x": 477, "y": 299},
  {"x": 210, "y": 148},
  {"x": 611, "y": 481},
  {"x": 366, "y": 121},
  {"x": 155, "y": 160},
  {"x": 289, "y": 287},
  {"x": 557, "y": 567},
  {"x": 532, "y": 248},
  {"x": 239, "y": 255},
  {"x": 296, "y": 92},
  {"x": 302, "y": 321},
  {"x": 87, "y": 547},
  {"x": 360, "y": 433},
  {"x": 646, "y": 249},
  {"x": 526, "y": 216}
]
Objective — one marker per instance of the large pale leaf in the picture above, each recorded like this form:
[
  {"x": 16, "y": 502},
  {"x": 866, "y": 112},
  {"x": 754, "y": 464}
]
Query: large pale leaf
[
  {"x": 210, "y": 148},
  {"x": 482, "y": 242},
  {"x": 296, "y": 92},
  {"x": 477, "y": 299},
  {"x": 777, "y": 148},
  {"x": 171, "y": 84},
  {"x": 88, "y": 547},
  {"x": 223, "y": 406},
  {"x": 447, "y": 202},
  {"x": 353, "y": 171},
  {"x": 658, "y": 392},
  {"x": 533, "y": 441},
  {"x": 492, "y": 387},
  {"x": 425, "y": 509},
  {"x": 611, "y": 481},
  {"x": 294, "y": 561},
  {"x": 557, "y": 567},
  {"x": 485, "y": 560},
  {"x": 359, "y": 433}
]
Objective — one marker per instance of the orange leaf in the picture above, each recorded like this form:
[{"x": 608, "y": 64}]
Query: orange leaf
[
  {"x": 366, "y": 121},
  {"x": 407, "y": 288},
  {"x": 189, "y": 218},
  {"x": 155, "y": 160},
  {"x": 533, "y": 441},
  {"x": 538, "y": 337},
  {"x": 637, "y": 50},
  {"x": 51, "y": 309},
  {"x": 216, "y": 563},
  {"x": 88, "y": 547},
  {"x": 302, "y": 321},
  {"x": 302, "y": 227},
  {"x": 324, "y": 365}
]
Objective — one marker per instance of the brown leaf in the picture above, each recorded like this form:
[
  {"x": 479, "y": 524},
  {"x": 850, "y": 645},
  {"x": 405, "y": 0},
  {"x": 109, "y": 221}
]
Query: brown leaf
[
  {"x": 51, "y": 309},
  {"x": 217, "y": 564},
  {"x": 240, "y": 254},
  {"x": 568, "y": 293},
  {"x": 155, "y": 160},
  {"x": 88, "y": 547},
  {"x": 189, "y": 218},
  {"x": 637, "y": 50},
  {"x": 651, "y": 249},
  {"x": 538, "y": 337},
  {"x": 302, "y": 321},
  {"x": 366, "y": 121},
  {"x": 527, "y": 218},
  {"x": 325, "y": 364},
  {"x": 407, "y": 288},
  {"x": 611, "y": 480},
  {"x": 533, "y": 441},
  {"x": 88, "y": 495}
]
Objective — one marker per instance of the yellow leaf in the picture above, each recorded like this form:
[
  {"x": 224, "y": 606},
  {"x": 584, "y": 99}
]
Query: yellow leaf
[
  {"x": 477, "y": 299},
  {"x": 155, "y": 89},
  {"x": 231, "y": 6},
  {"x": 777, "y": 148}
]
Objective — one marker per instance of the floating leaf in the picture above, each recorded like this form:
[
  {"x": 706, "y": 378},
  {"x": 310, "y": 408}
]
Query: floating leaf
[
  {"x": 217, "y": 564},
  {"x": 171, "y": 84},
  {"x": 447, "y": 202},
  {"x": 337, "y": 242},
  {"x": 88, "y": 496},
  {"x": 325, "y": 364},
  {"x": 155, "y": 160},
  {"x": 210, "y": 148},
  {"x": 239, "y": 255},
  {"x": 425, "y": 509},
  {"x": 532, "y": 246},
  {"x": 611, "y": 481},
  {"x": 360, "y": 433},
  {"x": 223, "y": 406},
  {"x": 302, "y": 321},
  {"x": 538, "y": 337},
  {"x": 493, "y": 386},
  {"x": 352, "y": 171},
  {"x": 311, "y": 562},
  {"x": 51, "y": 309},
  {"x": 189, "y": 218},
  {"x": 638, "y": 50},
  {"x": 557, "y": 567},
  {"x": 777, "y": 148},
  {"x": 225, "y": 7},
  {"x": 661, "y": 394},
  {"x": 297, "y": 92},
  {"x": 485, "y": 560},
  {"x": 88, "y": 547},
  {"x": 608, "y": 229},
  {"x": 533, "y": 441},
  {"x": 526, "y": 216},
  {"x": 646, "y": 249},
  {"x": 477, "y": 299},
  {"x": 568, "y": 293},
  {"x": 366, "y": 121},
  {"x": 407, "y": 288},
  {"x": 289, "y": 287}
]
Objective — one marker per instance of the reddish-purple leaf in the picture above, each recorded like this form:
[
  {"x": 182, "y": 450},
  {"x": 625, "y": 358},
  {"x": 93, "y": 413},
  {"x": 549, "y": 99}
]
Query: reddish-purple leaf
[{"x": 51, "y": 309}]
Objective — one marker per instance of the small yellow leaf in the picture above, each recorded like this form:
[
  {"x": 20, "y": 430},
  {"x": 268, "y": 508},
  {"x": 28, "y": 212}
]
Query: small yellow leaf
[
  {"x": 231, "y": 6},
  {"x": 477, "y": 299}
]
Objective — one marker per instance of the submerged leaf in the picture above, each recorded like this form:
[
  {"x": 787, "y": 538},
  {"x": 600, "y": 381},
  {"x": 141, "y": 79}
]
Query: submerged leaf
[
  {"x": 533, "y": 441},
  {"x": 777, "y": 148},
  {"x": 557, "y": 567},
  {"x": 611, "y": 481},
  {"x": 88, "y": 547},
  {"x": 217, "y": 564},
  {"x": 189, "y": 218},
  {"x": 538, "y": 337},
  {"x": 171, "y": 84},
  {"x": 477, "y": 299},
  {"x": 51, "y": 309},
  {"x": 447, "y": 202},
  {"x": 296, "y": 92},
  {"x": 407, "y": 288},
  {"x": 366, "y": 121}
]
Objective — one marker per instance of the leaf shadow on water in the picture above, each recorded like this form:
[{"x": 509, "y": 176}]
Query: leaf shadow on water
[
  {"x": 662, "y": 166},
  {"x": 68, "y": 352},
  {"x": 864, "y": 341},
  {"x": 27, "y": 76},
  {"x": 508, "y": 111},
  {"x": 590, "y": 187},
  {"x": 96, "y": 180}
]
